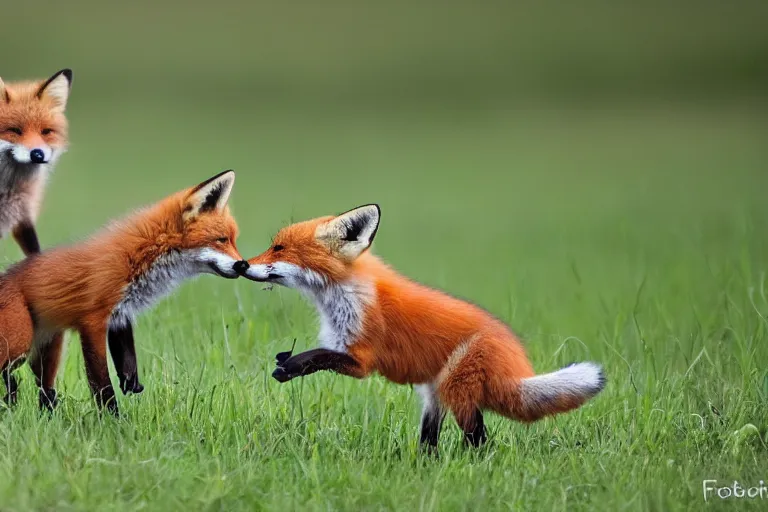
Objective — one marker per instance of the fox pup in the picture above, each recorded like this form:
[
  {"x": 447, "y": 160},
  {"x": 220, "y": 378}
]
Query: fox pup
[
  {"x": 33, "y": 135},
  {"x": 99, "y": 286},
  {"x": 460, "y": 357}
]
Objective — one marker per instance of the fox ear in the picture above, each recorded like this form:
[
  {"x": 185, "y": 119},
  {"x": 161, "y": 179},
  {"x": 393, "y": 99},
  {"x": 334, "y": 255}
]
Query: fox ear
[
  {"x": 3, "y": 93},
  {"x": 57, "y": 88},
  {"x": 351, "y": 233},
  {"x": 210, "y": 195}
]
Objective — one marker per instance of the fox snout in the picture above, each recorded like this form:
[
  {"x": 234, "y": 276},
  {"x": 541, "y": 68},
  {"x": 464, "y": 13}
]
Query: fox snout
[
  {"x": 241, "y": 267},
  {"x": 37, "y": 155},
  {"x": 258, "y": 273},
  {"x": 261, "y": 273},
  {"x": 222, "y": 264}
]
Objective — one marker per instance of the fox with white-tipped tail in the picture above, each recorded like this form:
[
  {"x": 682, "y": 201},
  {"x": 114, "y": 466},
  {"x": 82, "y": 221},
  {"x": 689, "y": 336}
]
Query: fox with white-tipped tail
[{"x": 461, "y": 358}]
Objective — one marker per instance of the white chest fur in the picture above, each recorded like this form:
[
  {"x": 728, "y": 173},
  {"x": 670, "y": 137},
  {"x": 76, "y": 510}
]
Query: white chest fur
[
  {"x": 165, "y": 274},
  {"x": 342, "y": 311},
  {"x": 19, "y": 192},
  {"x": 12, "y": 210}
]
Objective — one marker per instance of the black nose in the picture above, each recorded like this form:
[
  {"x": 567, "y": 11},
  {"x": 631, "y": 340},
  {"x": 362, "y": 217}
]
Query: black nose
[
  {"x": 37, "y": 156},
  {"x": 240, "y": 266}
]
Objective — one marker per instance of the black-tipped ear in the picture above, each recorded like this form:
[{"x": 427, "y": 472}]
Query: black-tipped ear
[
  {"x": 352, "y": 232},
  {"x": 212, "y": 194},
  {"x": 213, "y": 197},
  {"x": 357, "y": 225},
  {"x": 57, "y": 87},
  {"x": 210, "y": 180}
]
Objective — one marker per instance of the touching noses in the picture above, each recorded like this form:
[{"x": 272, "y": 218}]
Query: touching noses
[{"x": 240, "y": 267}]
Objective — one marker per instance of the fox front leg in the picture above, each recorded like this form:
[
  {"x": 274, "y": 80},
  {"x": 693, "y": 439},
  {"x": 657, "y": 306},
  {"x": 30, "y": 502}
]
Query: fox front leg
[
  {"x": 316, "y": 360},
  {"x": 26, "y": 236},
  {"x": 282, "y": 357},
  {"x": 123, "y": 352}
]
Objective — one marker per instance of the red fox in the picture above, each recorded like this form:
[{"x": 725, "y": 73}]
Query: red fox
[
  {"x": 99, "y": 286},
  {"x": 460, "y": 357},
  {"x": 33, "y": 135}
]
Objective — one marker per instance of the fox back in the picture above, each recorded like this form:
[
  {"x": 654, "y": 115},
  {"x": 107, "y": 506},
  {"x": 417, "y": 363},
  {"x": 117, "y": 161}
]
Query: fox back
[
  {"x": 460, "y": 357},
  {"x": 100, "y": 285},
  {"x": 129, "y": 265}
]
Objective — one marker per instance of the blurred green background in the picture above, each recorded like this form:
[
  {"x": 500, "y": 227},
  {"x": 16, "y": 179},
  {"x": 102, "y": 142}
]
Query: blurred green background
[
  {"x": 591, "y": 172},
  {"x": 489, "y": 129},
  {"x": 503, "y": 142}
]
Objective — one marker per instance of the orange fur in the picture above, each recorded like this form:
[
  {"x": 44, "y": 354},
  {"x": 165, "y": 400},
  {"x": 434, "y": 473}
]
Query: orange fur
[
  {"x": 412, "y": 329},
  {"x": 33, "y": 135},
  {"x": 414, "y": 334},
  {"x": 71, "y": 283},
  {"x": 79, "y": 287},
  {"x": 31, "y": 113}
]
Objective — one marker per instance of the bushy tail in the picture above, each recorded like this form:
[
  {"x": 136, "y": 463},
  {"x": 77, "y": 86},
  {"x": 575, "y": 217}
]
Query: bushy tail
[{"x": 556, "y": 392}]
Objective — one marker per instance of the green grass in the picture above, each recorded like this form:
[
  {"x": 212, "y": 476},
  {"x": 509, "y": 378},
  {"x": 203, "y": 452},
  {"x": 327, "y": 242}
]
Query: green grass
[
  {"x": 658, "y": 272},
  {"x": 628, "y": 229}
]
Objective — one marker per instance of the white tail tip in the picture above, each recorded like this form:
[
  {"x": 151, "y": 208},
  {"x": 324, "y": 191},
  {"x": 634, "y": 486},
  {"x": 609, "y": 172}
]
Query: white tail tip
[{"x": 560, "y": 391}]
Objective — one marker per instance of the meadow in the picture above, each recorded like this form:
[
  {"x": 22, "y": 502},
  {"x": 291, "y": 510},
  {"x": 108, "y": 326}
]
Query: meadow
[{"x": 609, "y": 213}]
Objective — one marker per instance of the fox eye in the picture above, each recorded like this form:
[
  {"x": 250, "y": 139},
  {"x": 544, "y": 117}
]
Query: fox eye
[
  {"x": 15, "y": 130},
  {"x": 222, "y": 240},
  {"x": 46, "y": 131},
  {"x": 277, "y": 248}
]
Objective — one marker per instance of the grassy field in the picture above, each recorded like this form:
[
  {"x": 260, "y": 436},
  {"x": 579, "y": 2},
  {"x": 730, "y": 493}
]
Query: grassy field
[{"x": 600, "y": 205}]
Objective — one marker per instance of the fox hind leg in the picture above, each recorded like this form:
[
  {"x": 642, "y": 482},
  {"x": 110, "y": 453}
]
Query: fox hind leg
[
  {"x": 11, "y": 385},
  {"x": 469, "y": 417},
  {"x": 45, "y": 366},
  {"x": 432, "y": 416},
  {"x": 16, "y": 335},
  {"x": 93, "y": 337},
  {"x": 461, "y": 388},
  {"x": 474, "y": 429}
]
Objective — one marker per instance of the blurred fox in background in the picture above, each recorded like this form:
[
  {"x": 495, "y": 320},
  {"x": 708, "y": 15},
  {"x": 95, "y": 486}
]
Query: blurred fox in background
[
  {"x": 99, "y": 286},
  {"x": 33, "y": 135},
  {"x": 460, "y": 357}
]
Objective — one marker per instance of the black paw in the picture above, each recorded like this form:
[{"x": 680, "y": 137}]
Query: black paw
[
  {"x": 107, "y": 400},
  {"x": 11, "y": 399},
  {"x": 282, "y": 357},
  {"x": 131, "y": 385},
  {"x": 281, "y": 374},
  {"x": 49, "y": 399},
  {"x": 12, "y": 386},
  {"x": 112, "y": 408},
  {"x": 429, "y": 450}
]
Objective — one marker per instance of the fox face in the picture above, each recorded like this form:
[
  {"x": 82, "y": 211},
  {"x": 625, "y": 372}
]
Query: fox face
[
  {"x": 316, "y": 253},
  {"x": 209, "y": 230},
  {"x": 33, "y": 128},
  {"x": 189, "y": 233}
]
